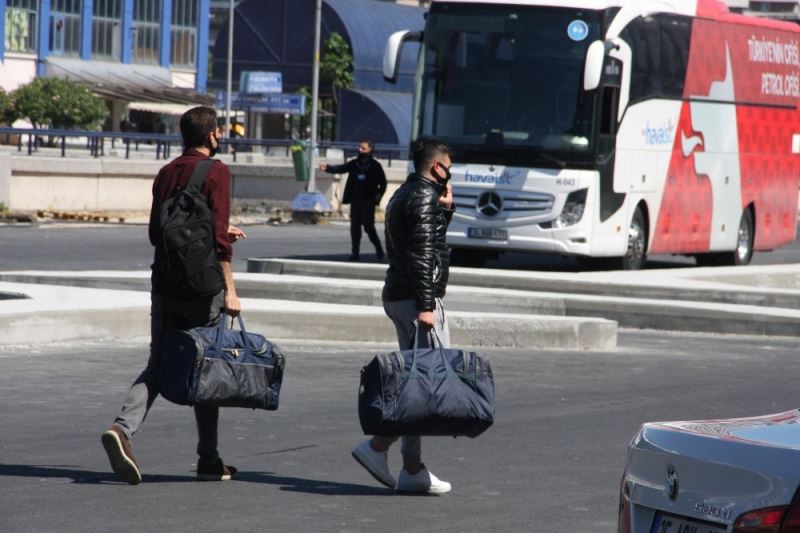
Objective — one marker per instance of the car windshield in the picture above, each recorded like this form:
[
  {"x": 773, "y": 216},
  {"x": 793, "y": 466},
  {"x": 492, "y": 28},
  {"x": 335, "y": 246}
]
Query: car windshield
[{"x": 503, "y": 84}]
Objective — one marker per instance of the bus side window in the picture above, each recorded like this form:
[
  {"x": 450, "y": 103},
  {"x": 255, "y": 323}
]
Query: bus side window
[{"x": 608, "y": 111}]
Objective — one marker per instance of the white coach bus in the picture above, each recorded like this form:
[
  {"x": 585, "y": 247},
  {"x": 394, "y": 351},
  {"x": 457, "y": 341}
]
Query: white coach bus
[{"x": 612, "y": 128}]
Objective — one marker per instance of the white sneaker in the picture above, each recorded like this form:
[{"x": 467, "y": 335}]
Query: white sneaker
[
  {"x": 423, "y": 481},
  {"x": 376, "y": 463}
]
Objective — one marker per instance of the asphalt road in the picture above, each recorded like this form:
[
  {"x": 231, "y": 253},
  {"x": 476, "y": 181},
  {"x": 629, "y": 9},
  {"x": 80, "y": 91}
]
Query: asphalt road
[
  {"x": 126, "y": 247},
  {"x": 552, "y": 461}
]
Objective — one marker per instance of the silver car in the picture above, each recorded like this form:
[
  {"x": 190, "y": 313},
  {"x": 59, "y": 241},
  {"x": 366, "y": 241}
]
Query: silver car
[{"x": 712, "y": 476}]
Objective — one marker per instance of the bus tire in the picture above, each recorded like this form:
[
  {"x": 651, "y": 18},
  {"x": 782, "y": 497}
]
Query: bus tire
[
  {"x": 744, "y": 243},
  {"x": 744, "y": 246},
  {"x": 636, "y": 254},
  {"x": 468, "y": 257}
]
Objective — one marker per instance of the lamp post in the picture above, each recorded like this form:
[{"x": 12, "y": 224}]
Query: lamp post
[
  {"x": 307, "y": 205},
  {"x": 312, "y": 155},
  {"x": 227, "y": 131}
]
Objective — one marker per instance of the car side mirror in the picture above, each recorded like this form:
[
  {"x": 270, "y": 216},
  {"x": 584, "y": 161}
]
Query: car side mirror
[{"x": 393, "y": 51}]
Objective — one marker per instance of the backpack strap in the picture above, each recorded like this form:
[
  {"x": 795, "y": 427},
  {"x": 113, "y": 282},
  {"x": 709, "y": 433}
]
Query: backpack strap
[{"x": 199, "y": 174}]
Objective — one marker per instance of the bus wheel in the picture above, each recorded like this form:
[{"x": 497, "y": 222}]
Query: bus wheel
[
  {"x": 468, "y": 257},
  {"x": 637, "y": 243},
  {"x": 744, "y": 243},
  {"x": 744, "y": 247}
]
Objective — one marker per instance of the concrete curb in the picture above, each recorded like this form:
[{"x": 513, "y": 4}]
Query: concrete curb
[
  {"x": 768, "y": 286},
  {"x": 59, "y": 313},
  {"x": 643, "y": 313}
]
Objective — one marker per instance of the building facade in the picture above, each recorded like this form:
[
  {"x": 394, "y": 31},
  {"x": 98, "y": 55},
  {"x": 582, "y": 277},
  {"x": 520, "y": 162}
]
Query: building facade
[{"x": 154, "y": 51}]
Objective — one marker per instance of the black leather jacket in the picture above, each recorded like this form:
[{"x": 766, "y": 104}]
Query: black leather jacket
[{"x": 416, "y": 227}]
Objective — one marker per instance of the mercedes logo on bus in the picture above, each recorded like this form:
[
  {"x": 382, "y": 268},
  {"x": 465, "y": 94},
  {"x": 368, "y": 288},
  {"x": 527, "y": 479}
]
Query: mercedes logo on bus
[
  {"x": 489, "y": 203},
  {"x": 672, "y": 487}
]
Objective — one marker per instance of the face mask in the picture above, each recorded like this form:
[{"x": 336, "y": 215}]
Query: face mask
[
  {"x": 364, "y": 156},
  {"x": 212, "y": 150},
  {"x": 446, "y": 177}
]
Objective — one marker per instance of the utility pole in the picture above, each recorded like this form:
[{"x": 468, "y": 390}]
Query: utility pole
[
  {"x": 227, "y": 131},
  {"x": 312, "y": 154}
]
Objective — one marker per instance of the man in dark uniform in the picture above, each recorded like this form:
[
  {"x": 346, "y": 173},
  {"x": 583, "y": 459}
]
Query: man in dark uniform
[{"x": 366, "y": 183}]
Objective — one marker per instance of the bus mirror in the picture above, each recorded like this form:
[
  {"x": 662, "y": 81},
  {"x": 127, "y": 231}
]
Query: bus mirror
[
  {"x": 593, "y": 69},
  {"x": 394, "y": 49}
]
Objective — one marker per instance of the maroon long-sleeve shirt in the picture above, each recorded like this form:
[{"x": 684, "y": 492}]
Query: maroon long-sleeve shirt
[{"x": 216, "y": 187}]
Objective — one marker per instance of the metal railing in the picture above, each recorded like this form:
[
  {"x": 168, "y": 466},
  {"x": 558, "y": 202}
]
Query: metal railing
[{"x": 95, "y": 142}]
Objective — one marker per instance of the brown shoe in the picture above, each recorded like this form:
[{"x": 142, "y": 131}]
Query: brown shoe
[
  {"x": 118, "y": 448},
  {"x": 215, "y": 471}
]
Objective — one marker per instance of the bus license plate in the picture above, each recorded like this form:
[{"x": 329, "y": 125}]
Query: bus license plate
[
  {"x": 494, "y": 234},
  {"x": 665, "y": 523}
]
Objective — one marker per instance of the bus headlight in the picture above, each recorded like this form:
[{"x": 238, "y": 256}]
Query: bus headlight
[{"x": 573, "y": 209}]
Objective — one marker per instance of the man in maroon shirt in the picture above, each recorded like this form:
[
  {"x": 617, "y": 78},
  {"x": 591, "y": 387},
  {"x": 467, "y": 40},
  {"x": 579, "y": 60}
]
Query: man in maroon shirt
[{"x": 200, "y": 138}]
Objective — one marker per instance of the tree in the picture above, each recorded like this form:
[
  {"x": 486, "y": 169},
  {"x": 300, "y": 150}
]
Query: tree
[
  {"x": 8, "y": 113},
  {"x": 336, "y": 64},
  {"x": 59, "y": 104}
]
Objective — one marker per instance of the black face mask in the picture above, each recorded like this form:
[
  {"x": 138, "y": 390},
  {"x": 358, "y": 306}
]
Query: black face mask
[
  {"x": 364, "y": 156},
  {"x": 439, "y": 177},
  {"x": 212, "y": 150}
]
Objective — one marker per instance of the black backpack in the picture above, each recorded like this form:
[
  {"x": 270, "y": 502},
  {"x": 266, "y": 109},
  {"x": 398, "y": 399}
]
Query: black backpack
[{"x": 186, "y": 253}]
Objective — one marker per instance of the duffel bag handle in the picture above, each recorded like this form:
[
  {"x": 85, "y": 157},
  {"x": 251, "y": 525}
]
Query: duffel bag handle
[
  {"x": 438, "y": 344},
  {"x": 221, "y": 328}
]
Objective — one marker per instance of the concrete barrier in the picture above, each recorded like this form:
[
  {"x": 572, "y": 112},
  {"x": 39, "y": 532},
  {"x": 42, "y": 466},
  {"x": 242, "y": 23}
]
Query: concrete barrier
[
  {"x": 5, "y": 179},
  {"x": 111, "y": 184}
]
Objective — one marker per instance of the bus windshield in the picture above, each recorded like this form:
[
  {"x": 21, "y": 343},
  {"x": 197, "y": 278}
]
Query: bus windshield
[{"x": 502, "y": 84}]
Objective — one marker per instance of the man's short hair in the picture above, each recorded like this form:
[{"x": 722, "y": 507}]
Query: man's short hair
[
  {"x": 196, "y": 124},
  {"x": 369, "y": 143},
  {"x": 425, "y": 151}
]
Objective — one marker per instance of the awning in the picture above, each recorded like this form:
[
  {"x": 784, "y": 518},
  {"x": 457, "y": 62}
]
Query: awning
[
  {"x": 131, "y": 82},
  {"x": 158, "y": 107}
]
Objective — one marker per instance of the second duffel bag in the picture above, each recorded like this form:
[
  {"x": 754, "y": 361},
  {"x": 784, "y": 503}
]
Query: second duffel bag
[
  {"x": 222, "y": 367},
  {"x": 429, "y": 391}
]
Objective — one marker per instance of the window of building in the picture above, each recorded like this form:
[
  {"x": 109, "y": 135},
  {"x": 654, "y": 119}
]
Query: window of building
[
  {"x": 21, "y": 16},
  {"x": 107, "y": 29},
  {"x": 65, "y": 27},
  {"x": 184, "y": 32},
  {"x": 146, "y": 31}
]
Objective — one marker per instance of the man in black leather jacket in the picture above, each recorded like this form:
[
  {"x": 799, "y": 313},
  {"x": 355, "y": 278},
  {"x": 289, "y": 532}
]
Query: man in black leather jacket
[{"x": 417, "y": 217}]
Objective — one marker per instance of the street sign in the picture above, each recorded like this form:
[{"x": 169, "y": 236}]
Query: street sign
[
  {"x": 252, "y": 81},
  {"x": 293, "y": 104}
]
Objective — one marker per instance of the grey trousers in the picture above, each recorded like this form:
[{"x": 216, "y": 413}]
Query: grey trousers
[
  {"x": 403, "y": 313},
  {"x": 167, "y": 314}
]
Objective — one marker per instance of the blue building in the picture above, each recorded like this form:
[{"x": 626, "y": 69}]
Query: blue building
[
  {"x": 278, "y": 36},
  {"x": 136, "y": 53}
]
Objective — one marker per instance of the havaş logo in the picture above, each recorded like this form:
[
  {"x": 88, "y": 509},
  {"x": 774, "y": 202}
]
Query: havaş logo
[
  {"x": 489, "y": 179},
  {"x": 659, "y": 134}
]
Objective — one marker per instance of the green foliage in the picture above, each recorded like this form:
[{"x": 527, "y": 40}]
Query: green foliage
[
  {"x": 336, "y": 63},
  {"x": 59, "y": 104},
  {"x": 8, "y": 113},
  {"x": 3, "y": 207}
]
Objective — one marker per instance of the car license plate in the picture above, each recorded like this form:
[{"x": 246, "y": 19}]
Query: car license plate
[
  {"x": 494, "y": 234},
  {"x": 666, "y": 523}
]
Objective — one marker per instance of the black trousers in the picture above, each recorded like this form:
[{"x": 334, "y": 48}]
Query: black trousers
[{"x": 362, "y": 213}]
